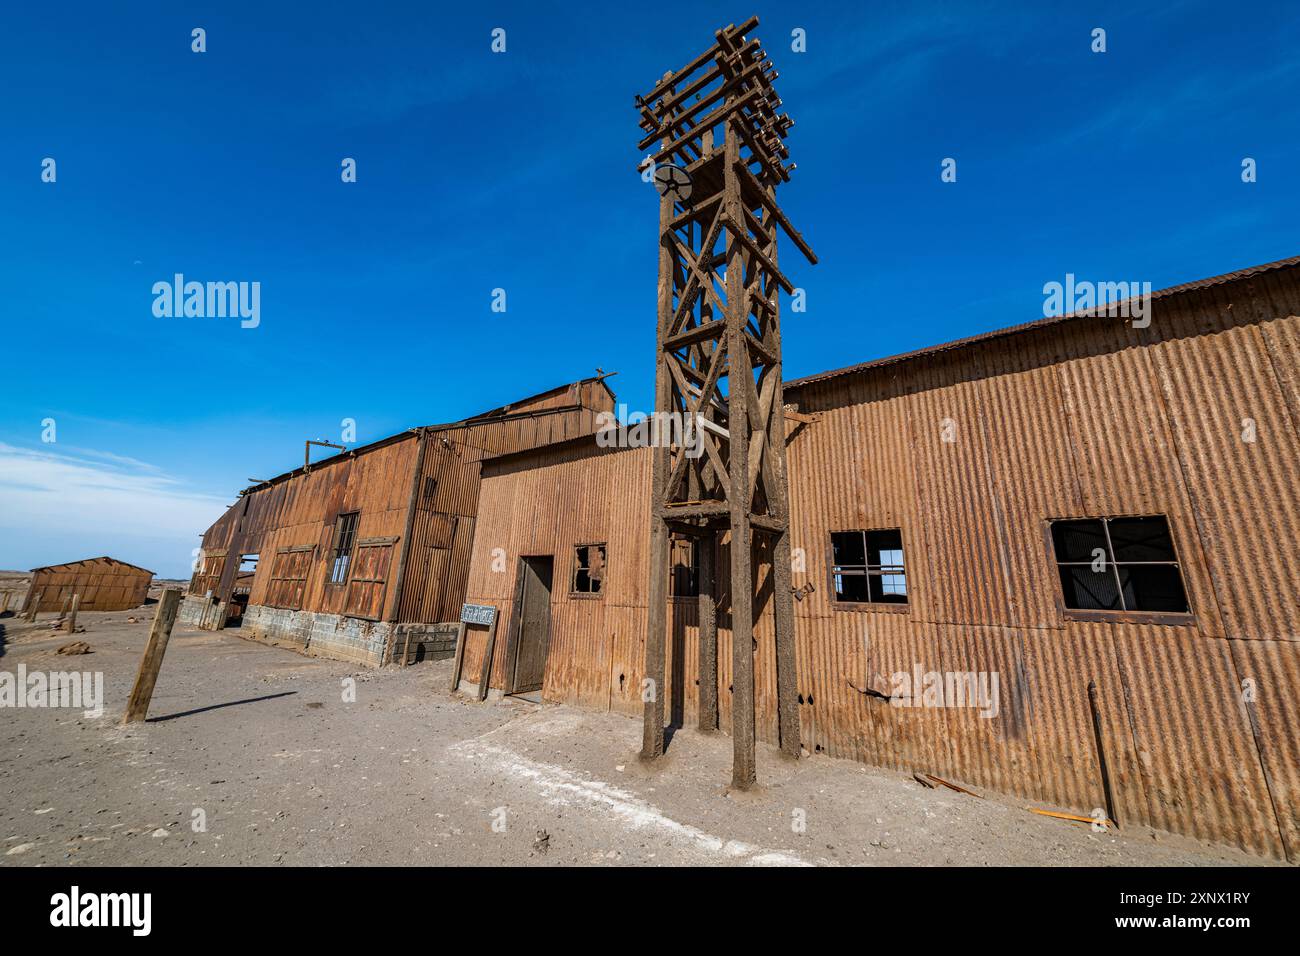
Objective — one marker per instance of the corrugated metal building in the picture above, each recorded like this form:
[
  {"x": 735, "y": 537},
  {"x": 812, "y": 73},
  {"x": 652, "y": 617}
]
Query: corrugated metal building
[
  {"x": 350, "y": 555},
  {"x": 1070, "y": 502},
  {"x": 104, "y": 584}
]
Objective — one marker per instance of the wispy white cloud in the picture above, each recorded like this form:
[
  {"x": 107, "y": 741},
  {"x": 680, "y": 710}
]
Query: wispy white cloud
[{"x": 108, "y": 501}]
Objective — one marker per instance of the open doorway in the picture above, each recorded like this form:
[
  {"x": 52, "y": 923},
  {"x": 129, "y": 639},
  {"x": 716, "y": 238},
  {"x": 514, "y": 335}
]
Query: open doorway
[
  {"x": 533, "y": 638},
  {"x": 241, "y": 590}
]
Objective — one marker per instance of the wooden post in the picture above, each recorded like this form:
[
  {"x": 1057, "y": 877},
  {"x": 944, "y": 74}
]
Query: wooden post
[
  {"x": 70, "y": 625},
  {"x": 708, "y": 692},
  {"x": 160, "y": 633},
  {"x": 787, "y": 688},
  {"x": 656, "y": 664},
  {"x": 740, "y": 382},
  {"x": 1101, "y": 754},
  {"x": 35, "y": 603},
  {"x": 460, "y": 657},
  {"x": 412, "y": 504},
  {"x": 488, "y": 651}
]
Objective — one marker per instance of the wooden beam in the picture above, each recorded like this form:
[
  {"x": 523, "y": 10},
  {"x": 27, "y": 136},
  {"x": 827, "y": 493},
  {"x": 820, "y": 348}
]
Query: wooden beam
[
  {"x": 655, "y": 670},
  {"x": 137, "y": 707},
  {"x": 770, "y": 205},
  {"x": 751, "y": 72},
  {"x": 739, "y": 381},
  {"x": 399, "y": 573},
  {"x": 35, "y": 605},
  {"x": 70, "y": 625},
  {"x": 708, "y": 122},
  {"x": 708, "y": 690},
  {"x": 460, "y": 657},
  {"x": 673, "y": 77},
  {"x": 489, "y": 651}
]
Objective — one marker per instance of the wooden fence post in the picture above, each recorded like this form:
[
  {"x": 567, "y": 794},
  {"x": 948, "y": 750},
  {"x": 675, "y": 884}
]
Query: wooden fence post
[
  {"x": 488, "y": 653},
  {"x": 36, "y": 603},
  {"x": 71, "y": 624},
  {"x": 138, "y": 706},
  {"x": 460, "y": 657}
]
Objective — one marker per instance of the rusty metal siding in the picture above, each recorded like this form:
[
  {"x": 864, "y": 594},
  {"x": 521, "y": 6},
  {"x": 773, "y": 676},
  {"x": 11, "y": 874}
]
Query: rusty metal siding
[
  {"x": 442, "y": 534},
  {"x": 597, "y": 644},
  {"x": 1087, "y": 418},
  {"x": 301, "y": 509}
]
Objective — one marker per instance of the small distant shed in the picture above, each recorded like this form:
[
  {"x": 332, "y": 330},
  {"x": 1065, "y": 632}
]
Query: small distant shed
[{"x": 104, "y": 583}]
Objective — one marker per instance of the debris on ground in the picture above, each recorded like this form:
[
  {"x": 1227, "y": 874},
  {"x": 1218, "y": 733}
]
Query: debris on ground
[
  {"x": 543, "y": 842},
  {"x": 951, "y": 786},
  {"x": 1072, "y": 817},
  {"x": 76, "y": 647}
]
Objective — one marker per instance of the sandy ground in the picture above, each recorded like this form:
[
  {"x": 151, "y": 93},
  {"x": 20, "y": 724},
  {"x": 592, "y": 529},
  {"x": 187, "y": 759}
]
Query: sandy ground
[{"x": 258, "y": 744}]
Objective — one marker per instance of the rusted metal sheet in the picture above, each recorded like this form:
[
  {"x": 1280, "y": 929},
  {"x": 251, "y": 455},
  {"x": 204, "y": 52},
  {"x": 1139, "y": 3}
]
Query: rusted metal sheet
[
  {"x": 290, "y": 521},
  {"x": 971, "y": 452}
]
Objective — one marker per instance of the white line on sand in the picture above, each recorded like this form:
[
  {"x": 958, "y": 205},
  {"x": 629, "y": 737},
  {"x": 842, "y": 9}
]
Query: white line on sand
[{"x": 564, "y": 787}]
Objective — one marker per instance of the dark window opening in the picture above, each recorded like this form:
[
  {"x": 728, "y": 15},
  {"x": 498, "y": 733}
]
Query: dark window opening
[
  {"x": 685, "y": 564},
  {"x": 345, "y": 535},
  {"x": 430, "y": 486},
  {"x": 1119, "y": 564},
  {"x": 589, "y": 568},
  {"x": 867, "y": 567}
]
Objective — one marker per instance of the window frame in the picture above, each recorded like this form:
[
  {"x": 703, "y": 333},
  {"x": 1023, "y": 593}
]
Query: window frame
[
  {"x": 868, "y": 606},
  {"x": 1121, "y": 616},
  {"x": 332, "y": 563},
  {"x": 573, "y": 574}
]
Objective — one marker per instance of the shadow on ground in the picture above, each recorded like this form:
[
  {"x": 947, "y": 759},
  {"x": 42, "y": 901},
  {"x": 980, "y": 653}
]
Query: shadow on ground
[{"x": 229, "y": 703}]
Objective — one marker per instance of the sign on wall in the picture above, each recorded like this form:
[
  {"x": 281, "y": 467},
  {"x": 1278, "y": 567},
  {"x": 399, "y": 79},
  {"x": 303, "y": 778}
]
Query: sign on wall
[{"x": 478, "y": 614}]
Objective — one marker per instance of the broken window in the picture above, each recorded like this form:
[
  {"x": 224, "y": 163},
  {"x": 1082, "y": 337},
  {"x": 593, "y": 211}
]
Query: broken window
[
  {"x": 1119, "y": 564},
  {"x": 247, "y": 563},
  {"x": 685, "y": 564},
  {"x": 345, "y": 534},
  {"x": 588, "y": 568},
  {"x": 430, "y": 487},
  {"x": 867, "y": 567}
]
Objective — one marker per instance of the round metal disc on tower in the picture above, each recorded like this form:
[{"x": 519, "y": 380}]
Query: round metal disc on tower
[{"x": 673, "y": 181}]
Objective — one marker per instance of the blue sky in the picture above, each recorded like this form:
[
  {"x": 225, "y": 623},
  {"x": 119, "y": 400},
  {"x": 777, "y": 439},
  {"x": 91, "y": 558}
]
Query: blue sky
[{"x": 478, "y": 170}]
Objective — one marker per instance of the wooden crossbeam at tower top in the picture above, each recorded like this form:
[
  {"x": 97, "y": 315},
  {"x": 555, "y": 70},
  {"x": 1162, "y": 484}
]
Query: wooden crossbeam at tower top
[{"x": 730, "y": 82}]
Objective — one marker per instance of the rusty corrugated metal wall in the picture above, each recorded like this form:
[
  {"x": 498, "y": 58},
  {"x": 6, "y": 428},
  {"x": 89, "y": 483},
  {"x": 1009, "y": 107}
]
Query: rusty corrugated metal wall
[
  {"x": 442, "y": 534},
  {"x": 1084, "y": 418},
  {"x": 290, "y": 522}
]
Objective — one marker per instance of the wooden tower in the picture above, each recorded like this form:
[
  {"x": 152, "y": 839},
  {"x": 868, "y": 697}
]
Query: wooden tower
[{"x": 719, "y": 364}]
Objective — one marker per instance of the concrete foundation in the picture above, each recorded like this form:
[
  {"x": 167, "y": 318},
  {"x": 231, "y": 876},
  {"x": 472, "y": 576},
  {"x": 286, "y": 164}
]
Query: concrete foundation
[{"x": 371, "y": 643}]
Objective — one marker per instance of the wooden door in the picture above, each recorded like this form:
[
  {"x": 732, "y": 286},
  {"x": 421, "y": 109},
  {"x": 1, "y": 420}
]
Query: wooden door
[{"x": 534, "y": 623}]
